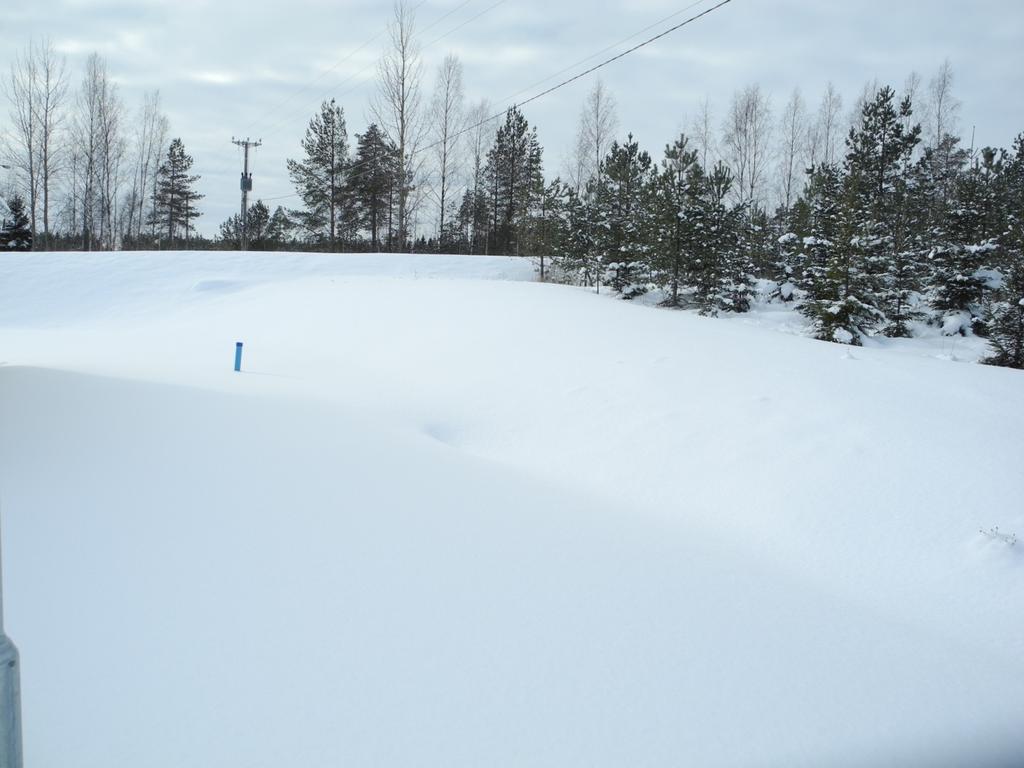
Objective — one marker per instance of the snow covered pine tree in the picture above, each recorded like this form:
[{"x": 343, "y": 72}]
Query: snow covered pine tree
[{"x": 15, "y": 230}]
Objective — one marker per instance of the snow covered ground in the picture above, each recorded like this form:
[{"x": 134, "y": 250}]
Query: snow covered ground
[{"x": 451, "y": 517}]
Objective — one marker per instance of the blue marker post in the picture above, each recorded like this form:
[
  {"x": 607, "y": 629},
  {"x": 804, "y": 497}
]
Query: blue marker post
[{"x": 238, "y": 357}]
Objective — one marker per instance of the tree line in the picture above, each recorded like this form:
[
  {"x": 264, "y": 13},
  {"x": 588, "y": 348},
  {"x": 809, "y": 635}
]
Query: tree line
[
  {"x": 892, "y": 234},
  {"x": 871, "y": 220},
  {"x": 88, "y": 173}
]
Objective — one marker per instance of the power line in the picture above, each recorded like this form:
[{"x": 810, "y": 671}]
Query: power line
[
  {"x": 615, "y": 58},
  {"x": 466, "y": 23},
  {"x": 560, "y": 85},
  {"x": 611, "y": 47}
]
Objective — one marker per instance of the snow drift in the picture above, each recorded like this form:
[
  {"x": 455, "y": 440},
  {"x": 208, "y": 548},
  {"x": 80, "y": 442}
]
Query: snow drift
[{"x": 447, "y": 516}]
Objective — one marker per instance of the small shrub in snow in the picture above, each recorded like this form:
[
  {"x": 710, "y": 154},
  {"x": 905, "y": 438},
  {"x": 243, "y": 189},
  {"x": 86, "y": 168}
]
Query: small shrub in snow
[{"x": 1010, "y": 539}]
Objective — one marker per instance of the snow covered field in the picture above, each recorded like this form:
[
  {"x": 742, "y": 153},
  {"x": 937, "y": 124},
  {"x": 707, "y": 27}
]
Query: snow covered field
[{"x": 451, "y": 517}]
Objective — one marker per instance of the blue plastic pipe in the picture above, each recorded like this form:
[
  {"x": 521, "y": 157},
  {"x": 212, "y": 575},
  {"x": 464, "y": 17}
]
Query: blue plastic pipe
[{"x": 238, "y": 357}]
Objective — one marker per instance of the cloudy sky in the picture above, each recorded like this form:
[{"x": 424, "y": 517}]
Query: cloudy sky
[{"x": 226, "y": 68}]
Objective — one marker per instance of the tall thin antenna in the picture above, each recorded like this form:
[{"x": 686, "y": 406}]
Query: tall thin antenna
[
  {"x": 243, "y": 223},
  {"x": 10, "y": 692}
]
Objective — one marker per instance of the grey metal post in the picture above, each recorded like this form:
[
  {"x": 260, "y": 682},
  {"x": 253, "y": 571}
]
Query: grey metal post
[
  {"x": 243, "y": 222},
  {"x": 10, "y": 694}
]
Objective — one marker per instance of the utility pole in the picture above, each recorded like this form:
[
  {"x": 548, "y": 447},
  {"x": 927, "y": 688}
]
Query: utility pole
[
  {"x": 246, "y": 145},
  {"x": 10, "y": 695}
]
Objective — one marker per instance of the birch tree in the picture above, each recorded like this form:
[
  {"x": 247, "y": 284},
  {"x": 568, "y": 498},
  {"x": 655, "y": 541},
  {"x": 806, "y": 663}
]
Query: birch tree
[
  {"x": 702, "y": 133},
  {"x": 150, "y": 141},
  {"x": 86, "y": 151},
  {"x": 941, "y": 106},
  {"x": 99, "y": 151},
  {"x": 825, "y": 139},
  {"x": 447, "y": 110},
  {"x": 51, "y": 94},
  {"x": 747, "y": 138},
  {"x": 397, "y": 106},
  {"x": 473, "y": 213},
  {"x": 792, "y": 143},
  {"x": 21, "y": 87},
  {"x": 112, "y": 146},
  {"x": 597, "y": 126}
]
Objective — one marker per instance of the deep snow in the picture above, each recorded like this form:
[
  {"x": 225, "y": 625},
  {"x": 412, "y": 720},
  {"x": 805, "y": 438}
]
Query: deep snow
[{"x": 448, "y": 516}]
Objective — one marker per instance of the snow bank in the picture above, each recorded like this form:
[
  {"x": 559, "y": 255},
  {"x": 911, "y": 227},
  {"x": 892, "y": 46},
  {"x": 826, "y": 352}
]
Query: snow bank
[
  {"x": 468, "y": 521},
  {"x": 52, "y": 289}
]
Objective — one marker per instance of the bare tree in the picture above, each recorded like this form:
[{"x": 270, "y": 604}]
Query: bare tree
[
  {"x": 703, "y": 134},
  {"x": 578, "y": 163},
  {"x": 112, "y": 151},
  {"x": 479, "y": 140},
  {"x": 53, "y": 90},
  {"x": 150, "y": 142},
  {"x": 911, "y": 91},
  {"x": 397, "y": 106},
  {"x": 598, "y": 123},
  {"x": 447, "y": 117},
  {"x": 911, "y": 86},
  {"x": 22, "y": 90},
  {"x": 942, "y": 107},
  {"x": 941, "y": 110},
  {"x": 85, "y": 152},
  {"x": 792, "y": 148},
  {"x": 37, "y": 90},
  {"x": 747, "y": 136},
  {"x": 825, "y": 135},
  {"x": 867, "y": 95},
  {"x": 99, "y": 151},
  {"x": 70, "y": 210}
]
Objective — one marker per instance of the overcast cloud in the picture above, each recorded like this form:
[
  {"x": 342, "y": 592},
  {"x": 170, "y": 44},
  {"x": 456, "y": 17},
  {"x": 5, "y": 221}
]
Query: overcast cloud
[{"x": 260, "y": 69}]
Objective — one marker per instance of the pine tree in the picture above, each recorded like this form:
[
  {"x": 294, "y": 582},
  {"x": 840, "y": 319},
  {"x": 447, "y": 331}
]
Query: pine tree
[
  {"x": 546, "y": 228},
  {"x": 1006, "y": 319},
  {"x": 320, "y": 178},
  {"x": 279, "y": 228},
  {"x": 16, "y": 230},
  {"x": 721, "y": 268},
  {"x": 825, "y": 227},
  {"x": 264, "y": 231},
  {"x": 788, "y": 266},
  {"x": 878, "y": 163},
  {"x": 963, "y": 243},
  {"x": 515, "y": 178},
  {"x": 1006, "y": 323},
  {"x": 938, "y": 174},
  {"x": 373, "y": 186},
  {"x": 832, "y": 277},
  {"x": 760, "y": 235},
  {"x": 473, "y": 219},
  {"x": 862, "y": 270},
  {"x": 675, "y": 197},
  {"x": 175, "y": 197},
  {"x": 793, "y": 227},
  {"x": 624, "y": 230},
  {"x": 577, "y": 256}
]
